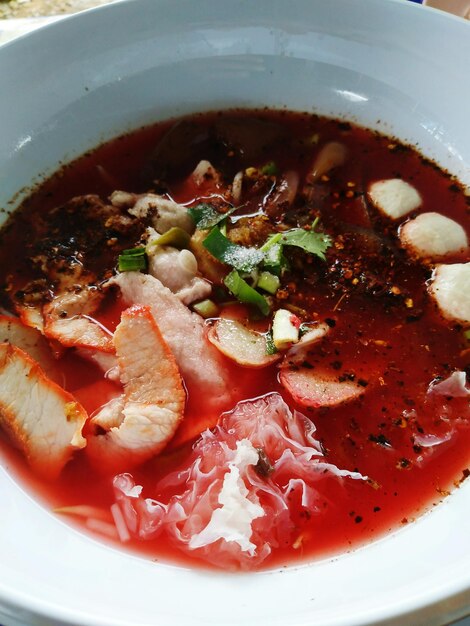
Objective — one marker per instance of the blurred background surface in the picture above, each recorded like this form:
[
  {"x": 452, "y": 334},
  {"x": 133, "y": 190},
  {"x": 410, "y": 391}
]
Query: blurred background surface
[{"x": 40, "y": 8}]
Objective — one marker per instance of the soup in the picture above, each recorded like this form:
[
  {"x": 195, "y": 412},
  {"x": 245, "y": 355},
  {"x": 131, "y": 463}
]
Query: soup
[{"x": 239, "y": 339}]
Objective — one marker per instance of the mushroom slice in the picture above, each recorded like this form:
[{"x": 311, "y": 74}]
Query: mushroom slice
[
  {"x": 43, "y": 421},
  {"x": 450, "y": 289},
  {"x": 244, "y": 346},
  {"x": 432, "y": 235},
  {"x": 394, "y": 197},
  {"x": 139, "y": 424},
  {"x": 332, "y": 155},
  {"x": 32, "y": 342},
  {"x": 68, "y": 320},
  {"x": 314, "y": 388}
]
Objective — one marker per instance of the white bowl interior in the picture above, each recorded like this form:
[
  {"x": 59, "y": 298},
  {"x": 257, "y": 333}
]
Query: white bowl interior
[{"x": 77, "y": 83}]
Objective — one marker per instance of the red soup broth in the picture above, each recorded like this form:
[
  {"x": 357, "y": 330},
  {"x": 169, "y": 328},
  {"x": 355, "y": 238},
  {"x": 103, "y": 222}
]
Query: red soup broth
[{"x": 394, "y": 350}]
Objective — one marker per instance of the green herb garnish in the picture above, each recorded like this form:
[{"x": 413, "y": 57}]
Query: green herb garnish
[
  {"x": 269, "y": 169},
  {"x": 274, "y": 259},
  {"x": 268, "y": 282},
  {"x": 206, "y": 216},
  {"x": 175, "y": 236},
  {"x": 244, "y": 293},
  {"x": 239, "y": 257},
  {"x": 206, "y": 309},
  {"x": 132, "y": 260},
  {"x": 270, "y": 347},
  {"x": 308, "y": 240}
]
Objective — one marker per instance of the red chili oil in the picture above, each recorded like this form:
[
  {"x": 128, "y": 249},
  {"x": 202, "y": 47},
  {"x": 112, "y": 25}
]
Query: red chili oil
[{"x": 393, "y": 347}]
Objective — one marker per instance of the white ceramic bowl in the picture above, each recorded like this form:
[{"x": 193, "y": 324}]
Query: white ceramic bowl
[{"x": 387, "y": 64}]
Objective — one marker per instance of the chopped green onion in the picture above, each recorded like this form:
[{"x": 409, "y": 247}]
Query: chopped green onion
[
  {"x": 268, "y": 282},
  {"x": 206, "y": 216},
  {"x": 285, "y": 329},
  {"x": 270, "y": 169},
  {"x": 206, "y": 308},
  {"x": 270, "y": 347},
  {"x": 139, "y": 251},
  {"x": 244, "y": 293},
  {"x": 274, "y": 260},
  {"x": 251, "y": 172},
  {"x": 175, "y": 236},
  {"x": 466, "y": 334},
  {"x": 304, "y": 328},
  {"x": 239, "y": 257},
  {"x": 132, "y": 260}
]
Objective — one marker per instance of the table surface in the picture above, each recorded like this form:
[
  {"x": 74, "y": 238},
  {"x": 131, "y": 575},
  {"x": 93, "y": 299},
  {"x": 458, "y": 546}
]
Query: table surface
[
  {"x": 18, "y": 17},
  {"x": 39, "y": 8}
]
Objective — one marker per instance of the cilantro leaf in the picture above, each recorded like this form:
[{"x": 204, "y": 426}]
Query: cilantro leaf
[{"x": 308, "y": 240}]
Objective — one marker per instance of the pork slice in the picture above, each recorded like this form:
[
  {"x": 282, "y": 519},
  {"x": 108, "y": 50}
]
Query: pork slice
[
  {"x": 43, "y": 421},
  {"x": 31, "y": 316},
  {"x": 32, "y": 342},
  {"x": 201, "y": 364},
  {"x": 140, "y": 423},
  {"x": 68, "y": 320},
  {"x": 163, "y": 212},
  {"x": 105, "y": 361}
]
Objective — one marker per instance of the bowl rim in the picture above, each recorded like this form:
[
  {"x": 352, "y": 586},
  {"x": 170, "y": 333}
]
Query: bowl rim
[{"x": 14, "y": 600}]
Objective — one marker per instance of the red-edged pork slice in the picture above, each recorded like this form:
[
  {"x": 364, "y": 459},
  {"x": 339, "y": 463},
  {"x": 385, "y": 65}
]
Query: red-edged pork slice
[
  {"x": 139, "y": 424},
  {"x": 315, "y": 388},
  {"x": 106, "y": 362},
  {"x": 244, "y": 346},
  {"x": 200, "y": 363},
  {"x": 43, "y": 421},
  {"x": 68, "y": 320},
  {"x": 31, "y": 316},
  {"x": 32, "y": 342}
]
